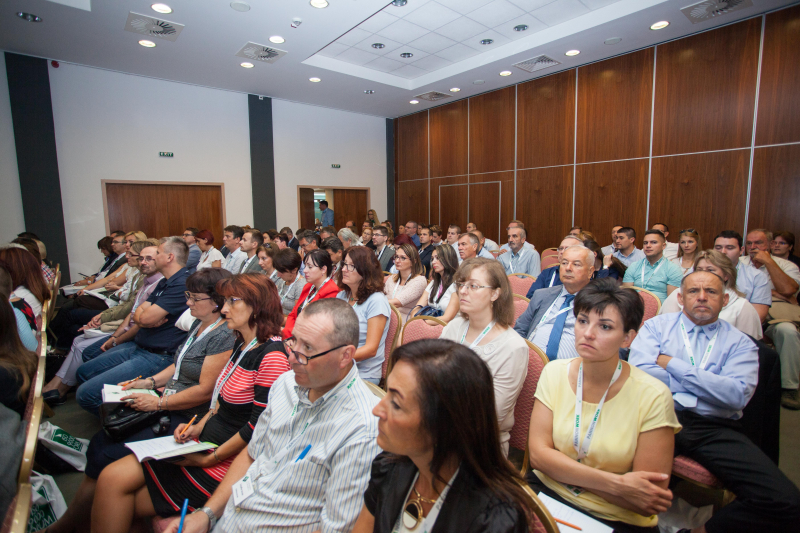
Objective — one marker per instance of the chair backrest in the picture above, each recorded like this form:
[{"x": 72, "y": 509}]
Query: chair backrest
[
  {"x": 520, "y": 306},
  {"x": 52, "y": 308},
  {"x": 395, "y": 325},
  {"x": 520, "y": 283},
  {"x": 524, "y": 406},
  {"x": 418, "y": 328},
  {"x": 549, "y": 251},
  {"x": 652, "y": 305},
  {"x": 550, "y": 260},
  {"x": 374, "y": 389},
  {"x": 542, "y": 521},
  {"x": 495, "y": 253}
]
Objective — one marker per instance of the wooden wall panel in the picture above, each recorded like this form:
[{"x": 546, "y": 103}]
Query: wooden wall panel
[
  {"x": 775, "y": 190},
  {"x": 349, "y": 204},
  {"x": 492, "y": 131},
  {"x": 453, "y": 208},
  {"x": 546, "y": 121},
  {"x": 411, "y": 147},
  {"x": 306, "y": 210},
  {"x": 614, "y": 105},
  {"x": 779, "y": 98},
  {"x": 484, "y": 208},
  {"x": 412, "y": 201},
  {"x": 607, "y": 194},
  {"x": 506, "y": 213},
  {"x": 544, "y": 204},
  {"x": 706, "y": 192},
  {"x": 706, "y": 90},
  {"x": 448, "y": 132}
]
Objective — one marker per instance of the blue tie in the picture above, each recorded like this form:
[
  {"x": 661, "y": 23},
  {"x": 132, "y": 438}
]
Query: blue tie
[
  {"x": 699, "y": 343},
  {"x": 558, "y": 328}
]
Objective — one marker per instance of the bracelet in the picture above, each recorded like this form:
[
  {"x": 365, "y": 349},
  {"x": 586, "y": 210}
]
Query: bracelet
[
  {"x": 215, "y": 456},
  {"x": 153, "y": 380},
  {"x": 167, "y": 405},
  {"x": 159, "y": 402}
]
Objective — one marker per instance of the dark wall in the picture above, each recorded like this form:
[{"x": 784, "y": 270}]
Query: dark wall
[{"x": 262, "y": 162}]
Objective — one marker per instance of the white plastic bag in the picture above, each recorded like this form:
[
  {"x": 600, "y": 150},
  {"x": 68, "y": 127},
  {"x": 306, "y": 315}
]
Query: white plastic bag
[
  {"x": 47, "y": 502},
  {"x": 70, "y": 449},
  {"x": 682, "y": 515}
]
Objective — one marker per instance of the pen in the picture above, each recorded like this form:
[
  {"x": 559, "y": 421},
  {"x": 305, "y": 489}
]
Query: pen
[
  {"x": 188, "y": 425},
  {"x": 303, "y": 453},
  {"x": 573, "y": 526},
  {"x": 183, "y": 514},
  {"x": 130, "y": 381}
]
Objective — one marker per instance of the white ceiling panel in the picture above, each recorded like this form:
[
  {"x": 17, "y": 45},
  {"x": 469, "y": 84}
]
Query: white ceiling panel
[
  {"x": 597, "y": 4},
  {"x": 475, "y": 42},
  {"x": 388, "y": 45},
  {"x": 495, "y": 13},
  {"x": 461, "y": 29},
  {"x": 333, "y": 50},
  {"x": 457, "y": 52},
  {"x": 402, "y": 31},
  {"x": 464, "y": 6},
  {"x": 384, "y": 64},
  {"x": 410, "y": 71},
  {"x": 432, "y": 63},
  {"x": 560, "y": 11},
  {"x": 378, "y": 21},
  {"x": 356, "y": 56},
  {"x": 530, "y": 21},
  {"x": 432, "y": 43},
  {"x": 405, "y": 49},
  {"x": 353, "y": 37},
  {"x": 407, "y": 9},
  {"x": 432, "y": 15},
  {"x": 530, "y": 5}
]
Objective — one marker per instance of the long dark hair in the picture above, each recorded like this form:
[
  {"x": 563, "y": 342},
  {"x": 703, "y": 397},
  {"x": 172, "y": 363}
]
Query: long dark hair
[
  {"x": 13, "y": 354},
  {"x": 368, "y": 267},
  {"x": 449, "y": 260},
  {"x": 26, "y": 272},
  {"x": 468, "y": 428},
  {"x": 413, "y": 255}
]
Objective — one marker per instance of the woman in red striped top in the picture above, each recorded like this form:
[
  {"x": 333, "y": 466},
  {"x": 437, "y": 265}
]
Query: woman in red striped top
[{"x": 127, "y": 489}]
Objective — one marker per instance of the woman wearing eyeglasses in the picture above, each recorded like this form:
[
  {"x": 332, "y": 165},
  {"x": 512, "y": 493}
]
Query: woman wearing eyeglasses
[
  {"x": 361, "y": 281},
  {"x": 318, "y": 269},
  {"x": 126, "y": 488},
  {"x": 484, "y": 324},
  {"x": 406, "y": 286}
]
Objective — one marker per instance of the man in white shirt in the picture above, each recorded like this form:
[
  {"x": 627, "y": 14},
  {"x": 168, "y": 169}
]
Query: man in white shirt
[
  {"x": 671, "y": 251},
  {"x": 625, "y": 243},
  {"x": 468, "y": 244},
  {"x": 251, "y": 240},
  {"x": 308, "y": 461},
  {"x": 453, "y": 233},
  {"x": 516, "y": 224},
  {"x": 232, "y": 237},
  {"x": 520, "y": 260},
  {"x": 482, "y": 251},
  {"x": 608, "y": 250}
]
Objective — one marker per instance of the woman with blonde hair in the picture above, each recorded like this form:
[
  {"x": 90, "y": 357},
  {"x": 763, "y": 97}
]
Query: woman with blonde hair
[
  {"x": 484, "y": 325},
  {"x": 690, "y": 246},
  {"x": 372, "y": 218},
  {"x": 404, "y": 288}
]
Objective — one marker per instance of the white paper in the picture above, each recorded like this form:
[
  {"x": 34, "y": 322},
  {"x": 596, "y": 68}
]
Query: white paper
[
  {"x": 242, "y": 490},
  {"x": 164, "y": 447},
  {"x": 67, "y": 290},
  {"x": 568, "y": 514},
  {"x": 93, "y": 333},
  {"x": 115, "y": 394}
]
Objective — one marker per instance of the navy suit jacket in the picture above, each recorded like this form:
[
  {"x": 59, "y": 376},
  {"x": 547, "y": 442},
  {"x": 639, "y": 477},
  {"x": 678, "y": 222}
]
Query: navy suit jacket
[{"x": 538, "y": 306}]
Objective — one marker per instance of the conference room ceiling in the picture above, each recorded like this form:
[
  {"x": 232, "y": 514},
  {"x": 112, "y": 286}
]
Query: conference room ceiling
[{"x": 204, "y": 42}]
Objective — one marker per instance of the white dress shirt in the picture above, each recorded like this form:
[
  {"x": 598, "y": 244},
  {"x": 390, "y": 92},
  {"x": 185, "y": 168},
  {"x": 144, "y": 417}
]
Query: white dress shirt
[{"x": 233, "y": 263}]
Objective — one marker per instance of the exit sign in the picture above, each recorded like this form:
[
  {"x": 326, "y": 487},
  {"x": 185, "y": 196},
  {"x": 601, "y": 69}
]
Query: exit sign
[
  {"x": 336, "y": 166},
  {"x": 165, "y": 154}
]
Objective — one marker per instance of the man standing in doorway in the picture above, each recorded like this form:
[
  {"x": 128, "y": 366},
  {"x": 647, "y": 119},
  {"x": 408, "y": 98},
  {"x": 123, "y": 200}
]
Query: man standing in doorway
[{"x": 327, "y": 214}]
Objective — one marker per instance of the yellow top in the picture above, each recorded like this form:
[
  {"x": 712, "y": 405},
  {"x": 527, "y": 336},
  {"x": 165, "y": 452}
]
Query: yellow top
[{"x": 643, "y": 404}]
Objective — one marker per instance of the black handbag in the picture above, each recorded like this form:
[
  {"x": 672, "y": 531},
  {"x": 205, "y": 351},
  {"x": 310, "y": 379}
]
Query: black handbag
[
  {"x": 122, "y": 421},
  {"x": 429, "y": 311}
]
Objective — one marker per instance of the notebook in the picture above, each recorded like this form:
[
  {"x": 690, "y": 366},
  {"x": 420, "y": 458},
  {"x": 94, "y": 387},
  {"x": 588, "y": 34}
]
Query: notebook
[
  {"x": 568, "y": 514},
  {"x": 115, "y": 394},
  {"x": 165, "y": 447}
]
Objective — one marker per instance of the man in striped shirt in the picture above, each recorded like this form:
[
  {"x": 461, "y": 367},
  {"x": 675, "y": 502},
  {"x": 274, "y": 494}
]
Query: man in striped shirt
[{"x": 308, "y": 462}]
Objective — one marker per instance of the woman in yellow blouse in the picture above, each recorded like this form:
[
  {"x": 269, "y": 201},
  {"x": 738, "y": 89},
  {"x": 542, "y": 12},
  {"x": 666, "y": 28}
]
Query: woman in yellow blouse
[{"x": 614, "y": 460}]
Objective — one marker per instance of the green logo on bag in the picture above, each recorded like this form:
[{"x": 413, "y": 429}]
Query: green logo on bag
[
  {"x": 62, "y": 437},
  {"x": 41, "y": 515}
]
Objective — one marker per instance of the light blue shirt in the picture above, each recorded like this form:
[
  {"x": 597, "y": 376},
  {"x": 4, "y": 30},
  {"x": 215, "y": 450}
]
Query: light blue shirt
[
  {"x": 656, "y": 277},
  {"x": 25, "y": 332},
  {"x": 526, "y": 246},
  {"x": 721, "y": 389},
  {"x": 525, "y": 262},
  {"x": 233, "y": 263},
  {"x": 327, "y": 217},
  {"x": 753, "y": 283},
  {"x": 636, "y": 255},
  {"x": 541, "y": 336},
  {"x": 376, "y": 305},
  {"x": 485, "y": 254}
]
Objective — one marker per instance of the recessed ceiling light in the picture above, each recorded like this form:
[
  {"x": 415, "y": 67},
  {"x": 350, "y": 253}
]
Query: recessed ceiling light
[
  {"x": 314, "y": 80},
  {"x": 478, "y": 82},
  {"x": 147, "y": 44},
  {"x": 247, "y": 65},
  {"x": 573, "y": 53},
  {"x": 399, "y": 3},
  {"x": 161, "y": 8},
  {"x": 521, "y": 27},
  {"x": 414, "y": 102},
  {"x": 406, "y": 55},
  {"x": 506, "y": 73},
  {"x": 487, "y": 41},
  {"x": 29, "y": 17},
  {"x": 613, "y": 40},
  {"x": 454, "y": 90},
  {"x": 378, "y": 45},
  {"x": 369, "y": 91},
  {"x": 319, "y": 4},
  {"x": 241, "y": 7},
  {"x": 277, "y": 39},
  {"x": 659, "y": 25}
]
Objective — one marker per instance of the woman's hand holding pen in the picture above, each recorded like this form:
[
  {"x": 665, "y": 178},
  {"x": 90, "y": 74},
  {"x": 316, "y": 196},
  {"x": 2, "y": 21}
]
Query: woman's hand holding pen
[
  {"x": 143, "y": 402},
  {"x": 191, "y": 433},
  {"x": 194, "y": 523}
]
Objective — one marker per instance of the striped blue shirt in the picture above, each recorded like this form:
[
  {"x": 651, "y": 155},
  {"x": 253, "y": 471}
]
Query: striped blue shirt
[{"x": 324, "y": 490}]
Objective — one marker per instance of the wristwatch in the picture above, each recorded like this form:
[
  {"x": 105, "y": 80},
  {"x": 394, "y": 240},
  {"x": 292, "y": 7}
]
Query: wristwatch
[{"x": 212, "y": 518}]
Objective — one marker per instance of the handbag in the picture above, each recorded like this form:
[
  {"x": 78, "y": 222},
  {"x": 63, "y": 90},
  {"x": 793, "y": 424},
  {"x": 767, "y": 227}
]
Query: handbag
[
  {"x": 122, "y": 421},
  {"x": 429, "y": 311}
]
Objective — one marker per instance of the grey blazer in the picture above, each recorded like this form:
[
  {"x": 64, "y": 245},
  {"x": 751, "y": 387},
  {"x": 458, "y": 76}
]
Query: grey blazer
[
  {"x": 540, "y": 302},
  {"x": 253, "y": 267},
  {"x": 387, "y": 259}
]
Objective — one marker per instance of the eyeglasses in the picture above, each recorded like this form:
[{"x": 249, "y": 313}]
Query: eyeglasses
[
  {"x": 302, "y": 358},
  {"x": 147, "y": 259},
  {"x": 119, "y": 242},
  {"x": 400, "y": 258},
  {"x": 687, "y": 230},
  {"x": 472, "y": 287},
  {"x": 348, "y": 267},
  {"x": 194, "y": 299},
  {"x": 230, "y": 301},
  {"x": 188, "y": 235}
]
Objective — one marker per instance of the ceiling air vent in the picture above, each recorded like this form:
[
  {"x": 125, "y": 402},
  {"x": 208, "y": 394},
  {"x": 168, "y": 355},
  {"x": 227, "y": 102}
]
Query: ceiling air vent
[
  {"x": 261, "y": 52},
  {"x": 537, "y": 63},
  {"x": 708, "y": 9},
  {"x": 153, "y": 27},
  {"x": 433, "y": 96}
]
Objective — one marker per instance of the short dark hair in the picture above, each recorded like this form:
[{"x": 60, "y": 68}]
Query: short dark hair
[
  {"x": 601, "y": 293},
  {"x": 661, "y": 224},
  {"x": 383, "y": 230},
  {"x": 286, "y": 260},
  {"x": 105, "y": 244},
  {"x": 272, "y": 233},
  {"x": 655, "y": 232},
  {"x": 287, "y": 230},
  {"x": 193, "y": 230},
  {"x": 238, "y": 231},
  {"x": 455, "y": 226},
  {"x": 309, "y": 236},
  {"x": 116, "y": 233},
  {"x": 332, "y": 244},
  {"x": 730, "y": 234},
  {"x": 255, "y": 235},
  {"x": 420, "y": 228},
  {"x": 205, "y": 280},
  {"x": 629, "y": 231},
  {"x": 319, "y": 258},
  {"x": 787, "y": 236},
  {"x": 206, "y": 236},
  {"x": 329, "y": 229},
  {"x": 323, "y": 202},
  {"x": 281, "y": 237}
]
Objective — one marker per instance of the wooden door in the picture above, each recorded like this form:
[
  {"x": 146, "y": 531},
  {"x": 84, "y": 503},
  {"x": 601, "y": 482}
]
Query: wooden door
[
  {"x": 161, "y": 210},
  {"x": 306, "y": 199},
  {"x": 349, "y": 204}
]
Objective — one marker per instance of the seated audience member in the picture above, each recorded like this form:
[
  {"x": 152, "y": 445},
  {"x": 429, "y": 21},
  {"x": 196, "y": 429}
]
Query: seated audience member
[
  {"x": 327, "y": 232},
  {"x": 712, "y": 370},
  {"x": 319, "y": 285},
  {"x": 437, "y": 300},
  {"x": 383, "y": 251},
  {"x": 270, "y": 235},
  {"x": 671, "y": 251},
  {"x": 436, "y": 235},
  {"x": 626, "y": 250},
  {"x": 156, "y": 340},
  {"x": 361, "y": 281},
  {"x": 116, "y": 278},
  {"x": 738, "y": 312},
  {"x": 488, "y": 244},
  {"x": 324, "y": 393},
  {"x": 654, "y": 272},
  {"x": 17, "y": 363},
  {"x": 365, "y": 225},
  {"x": 390, "y": 237},
  {"x": 194, "y": 251},
  {"x": 482, "y": 251},
  {"x": 292, "y": 242},
  {"x": 750, "y": 281},
  {"x": 111, "y": 247},
  {"x": 453, "y": 233},
  {"x": 26, "y": 277},
  {"x": 33, "y": 247},
  {"x": 210, "y": 256},
  {"x": 366, "y": 238},
  {"x": 615, "y": 268},
  {"x": 575, "y": 231},
  {"x": 373, "y": 219},
  {"x": 425, "y": 456},
  {"x": 348, "y": 238},
  {"x": 411, "y": 232},
  {"x": 484, "y": 324},
  {"x": 549, "y": 277},
  {"x": 516, "y": 224},
  {"x": 265, "y": 255},
  {"x": 240, "y": 396},
  {"x": 468, "y": 246},
  {"x": 782, "y": 246},
  {"x": 689, "y": 249},
  {"x": 387, "y": 223},
  {"x": 232, "y": 238},
  {"x": 614, "y": 464},
  {"x": 404, "y": 288},
  {"x": 471, "y": 227},
  {"x": 334, "y": 247},
  {"x": 350, "y": 225},
  {"x": 425, "y": 248},
  {"x": 520, "y": 260},
  {"x": 251, "y": 240},
  {"x": 290, "y": 282},
  {"x": 281, "y": 241},
  {"x": 784, "y": 278},
  {"x": 548, "y": 322},
  {"x": 327, "y": 214},
  {"x": 609, "y": 250},
  {"x": 309, "y": 241},
  {"x": 27, "y": 335}
]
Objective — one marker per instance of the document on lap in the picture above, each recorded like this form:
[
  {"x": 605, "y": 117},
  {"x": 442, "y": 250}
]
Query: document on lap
[
  {"x": 166, "y": 447},
  {"x": 568, "y": 514},
  {"x": 115, "y": 394}
]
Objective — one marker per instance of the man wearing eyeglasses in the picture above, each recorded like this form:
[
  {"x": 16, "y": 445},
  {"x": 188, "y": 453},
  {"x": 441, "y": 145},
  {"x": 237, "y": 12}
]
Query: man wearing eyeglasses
[
  {"x": 194, "y": 250},
  {"x": 308, "y": 462}
]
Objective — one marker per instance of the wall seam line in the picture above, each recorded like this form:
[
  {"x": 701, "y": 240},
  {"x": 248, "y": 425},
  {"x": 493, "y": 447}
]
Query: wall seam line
[
  {"x": 575, "y": 149},
  {"x": 755, "y": 123},
  {"x": 652, "y": 127}
]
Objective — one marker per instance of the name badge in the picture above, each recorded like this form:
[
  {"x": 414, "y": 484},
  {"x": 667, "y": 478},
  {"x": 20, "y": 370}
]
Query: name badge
[
  {"x": 168, "y": 392},
  {"x": 242, "y": 490}
]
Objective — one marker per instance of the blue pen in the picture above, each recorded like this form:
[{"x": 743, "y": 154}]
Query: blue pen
[
  {"x": 303, "y": 453},
  {"x": 183, "y": 514}
]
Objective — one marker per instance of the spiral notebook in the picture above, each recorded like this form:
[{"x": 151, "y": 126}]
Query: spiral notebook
[{"x": 166, "y": 447}]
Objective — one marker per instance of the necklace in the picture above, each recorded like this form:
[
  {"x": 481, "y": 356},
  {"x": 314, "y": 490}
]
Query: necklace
[{"x": 413, "y": 513}]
